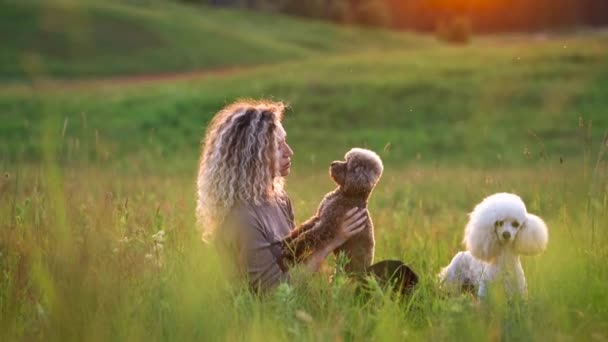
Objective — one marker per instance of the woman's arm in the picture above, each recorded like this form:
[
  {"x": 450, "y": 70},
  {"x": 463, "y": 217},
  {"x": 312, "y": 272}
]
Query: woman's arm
[
  {"x": 295, "y": 245},
  {"x": 244, "y": 241}
]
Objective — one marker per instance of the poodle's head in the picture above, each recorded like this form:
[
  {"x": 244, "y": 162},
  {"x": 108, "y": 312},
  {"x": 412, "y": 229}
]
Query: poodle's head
[
  {"x": 501, "y": 221},
  {"x": 358, "y": 173}
]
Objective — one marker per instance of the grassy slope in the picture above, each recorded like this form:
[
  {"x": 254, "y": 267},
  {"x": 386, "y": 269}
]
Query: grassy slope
[
  {"x": 494, "y": 103},
  {"x": 63, "y": 38},
  {"x": 486, "y": 104}
]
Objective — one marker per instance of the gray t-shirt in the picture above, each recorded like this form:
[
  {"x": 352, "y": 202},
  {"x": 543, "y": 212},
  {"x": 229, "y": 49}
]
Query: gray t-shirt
[{"x": 250, "y": 240}]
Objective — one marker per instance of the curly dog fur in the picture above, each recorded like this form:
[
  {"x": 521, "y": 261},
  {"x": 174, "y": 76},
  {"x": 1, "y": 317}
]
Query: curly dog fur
[
  {"x": 356, "y": 177},
  {"x": 498, "y": 232}
]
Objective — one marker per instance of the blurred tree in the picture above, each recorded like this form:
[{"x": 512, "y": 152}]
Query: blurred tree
[
  {"x": 339, "y": 11},
  {"x": 456, "y": 29},
  {"x": 309, "y": 8},
  {"x": 372, "y": 13},
  {"x": 334, "y": 10},
  {"x": 424, "y": 15},
  {"x": 595, "y": 12}
]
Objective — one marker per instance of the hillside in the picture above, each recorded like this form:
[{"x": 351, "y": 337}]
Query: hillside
[
  {"x": 75, "y": 39},
  {"x": 494, "y": 103},
  {"x": 502, "y": 100}
]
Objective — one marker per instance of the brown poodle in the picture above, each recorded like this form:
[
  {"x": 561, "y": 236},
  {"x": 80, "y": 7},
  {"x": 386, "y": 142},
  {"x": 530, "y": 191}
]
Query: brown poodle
[{"x": 356, "y": 178}]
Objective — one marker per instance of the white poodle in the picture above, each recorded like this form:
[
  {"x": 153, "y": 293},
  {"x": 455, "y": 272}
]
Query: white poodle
[{"x": 498, "y": 232}]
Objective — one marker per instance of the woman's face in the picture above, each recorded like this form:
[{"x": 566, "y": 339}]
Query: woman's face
[{"x": 284, "y": 153}]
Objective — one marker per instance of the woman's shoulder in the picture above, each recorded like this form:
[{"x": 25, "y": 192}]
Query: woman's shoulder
[
  {"x": 256, "y": 209},
  {"x": 248, "y": 214},
  {"x": 242, "y": 213},
  {"x": 272, "y": 215},
  {"x": 240, "y": 221},
  {"x": 284, "y": 203}
]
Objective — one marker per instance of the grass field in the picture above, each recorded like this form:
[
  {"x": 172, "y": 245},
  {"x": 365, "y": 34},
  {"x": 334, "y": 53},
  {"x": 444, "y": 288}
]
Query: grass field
[{"x": 92, "y": 171}]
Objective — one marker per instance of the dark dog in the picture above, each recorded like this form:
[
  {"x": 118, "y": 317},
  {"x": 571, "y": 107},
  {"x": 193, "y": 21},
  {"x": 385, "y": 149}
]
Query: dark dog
[
  {"x": 356, "y": 178},
  {"x": 396, "y": 274}
]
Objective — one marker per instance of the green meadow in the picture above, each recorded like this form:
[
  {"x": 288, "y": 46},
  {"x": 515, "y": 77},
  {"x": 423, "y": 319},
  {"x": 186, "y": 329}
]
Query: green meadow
[{"x": 100, "y": 130}]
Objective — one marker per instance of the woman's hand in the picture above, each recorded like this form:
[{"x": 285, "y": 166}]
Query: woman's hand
[{"x": 352, "y": 224}]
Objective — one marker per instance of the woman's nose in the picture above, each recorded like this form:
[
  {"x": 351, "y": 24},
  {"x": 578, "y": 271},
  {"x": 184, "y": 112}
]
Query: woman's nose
[{"x": 289, "y": 150}]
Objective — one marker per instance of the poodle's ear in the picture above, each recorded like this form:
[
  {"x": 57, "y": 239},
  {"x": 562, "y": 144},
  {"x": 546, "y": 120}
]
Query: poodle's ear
[
  {"x": 533, "y": 237},
  {"x": 480, "y": 238},
  {"x": 358, "y": 179}
]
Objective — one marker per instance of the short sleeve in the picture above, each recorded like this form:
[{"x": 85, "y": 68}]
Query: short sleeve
[{"x": 245, "y": 241}]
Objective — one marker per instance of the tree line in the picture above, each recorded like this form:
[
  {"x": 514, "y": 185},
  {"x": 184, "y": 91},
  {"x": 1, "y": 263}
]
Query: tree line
[{"x": 425, "y": 15}]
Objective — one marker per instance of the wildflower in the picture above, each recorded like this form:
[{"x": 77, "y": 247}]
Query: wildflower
[
  {"x": 40, "y": 310},
  {"x": 159, "y": 237},
  {"x": 157, "y": 247},
  {"x": 303, "y": 316},
  {"x": 387, "y": 147},
  {"x": 527, "y": 152}
]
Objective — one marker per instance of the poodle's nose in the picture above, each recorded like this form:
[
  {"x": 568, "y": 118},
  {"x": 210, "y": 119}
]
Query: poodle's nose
[{"x": 506, "y": 235}]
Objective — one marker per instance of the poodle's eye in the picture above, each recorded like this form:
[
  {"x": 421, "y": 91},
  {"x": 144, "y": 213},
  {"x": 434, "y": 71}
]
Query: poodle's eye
[
  {"x": 515, "y": 224},
  {"x": 498, "y": 224}
]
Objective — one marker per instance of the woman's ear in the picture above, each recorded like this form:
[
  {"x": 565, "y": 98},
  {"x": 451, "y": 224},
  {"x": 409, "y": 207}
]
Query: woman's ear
[
  {"x": 533, "y": 237},
  {"x": 480, "y": 238}
]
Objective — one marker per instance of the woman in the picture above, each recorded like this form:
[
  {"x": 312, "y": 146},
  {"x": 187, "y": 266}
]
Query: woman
[{"x": 241, "y": 202}]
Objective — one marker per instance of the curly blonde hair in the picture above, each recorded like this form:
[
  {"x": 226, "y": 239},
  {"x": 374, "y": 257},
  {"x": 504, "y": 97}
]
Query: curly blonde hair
[{"x": 238, "y": 161}]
